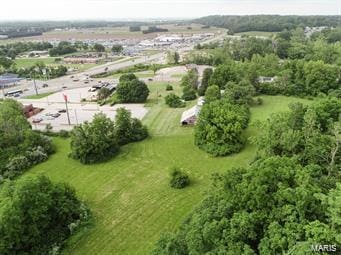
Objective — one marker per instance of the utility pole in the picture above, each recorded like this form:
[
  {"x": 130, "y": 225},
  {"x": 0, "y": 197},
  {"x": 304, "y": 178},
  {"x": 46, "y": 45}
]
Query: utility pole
[
  {"x": 76, "y": 116},
  {"x": 67, "y": 109},
  {"x": 34, "y": 82},
  {"x": 3, "y": 89}
]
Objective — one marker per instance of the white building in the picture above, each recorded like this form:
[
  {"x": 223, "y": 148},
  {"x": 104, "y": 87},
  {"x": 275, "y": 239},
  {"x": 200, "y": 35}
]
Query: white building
[{"x": 190, "y": 116}]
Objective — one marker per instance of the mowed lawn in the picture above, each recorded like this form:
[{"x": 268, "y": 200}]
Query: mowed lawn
[
  {"x": 130, "y": 196},
  {"x": 50, "y": 61}
]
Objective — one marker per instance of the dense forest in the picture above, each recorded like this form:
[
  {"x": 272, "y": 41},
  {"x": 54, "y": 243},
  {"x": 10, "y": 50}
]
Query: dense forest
[
  {"x": 286, "y": 201},
  {"x": 269, "y": 23}
]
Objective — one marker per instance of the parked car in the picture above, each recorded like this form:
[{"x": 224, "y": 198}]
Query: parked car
[
  {"x": 55, "y": 115},
  {"x": 150, "y": 79},
  {"x": 37, "y": 120},
  {"x": 64, "y": 87},
  {"x": 62, "y": 111},
  {"x": 45, "y": 85}
]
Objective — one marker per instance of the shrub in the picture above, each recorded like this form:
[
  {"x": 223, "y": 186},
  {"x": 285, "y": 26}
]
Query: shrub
[
  {"x": 259, "y": 101},
  {"x": 36, "y": 155},
  {"x": 140, "y": 132},
  {"x": 174, "y": 101},
  {"x": 169, "y": 87},
  {"x": 64, "y": 133},
  {"x": 188, "y": 94},
  {"x": 16, "y": 165},
  {"x": 179, "y": 180}
]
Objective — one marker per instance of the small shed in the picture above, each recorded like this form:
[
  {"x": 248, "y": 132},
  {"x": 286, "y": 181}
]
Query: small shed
[{"x": 190, "y": 116}]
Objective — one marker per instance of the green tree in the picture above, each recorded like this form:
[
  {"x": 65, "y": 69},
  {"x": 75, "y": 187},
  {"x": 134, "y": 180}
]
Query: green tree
[
  {"x": 204, "y": 82},
  {"x": 36, "y": 215},
  {"x": 99, "y": 47},
  {"x": 220, "y": 127},
  {"x": 174, "y": 101},
  {"x": 190, "y": 79},
  {"x": 131, "y": 90},
  {"x": 222, "y": 75},
  {"x": 6, "y": 63},
  {"x": 94, "y": 141},
  {"x": 173, "y": 57},
  {"x": 241, "y": 93},
  {"x": 17, "y": 138},
  {"x": 103, "y": 93},
  {"x": 212, "y": 94},
  {"x": 320, "y": 77},
  {"x": 117, "y": 48},
  {"x": 188, "y": 93},
  {"x": 128, "y": 129}
]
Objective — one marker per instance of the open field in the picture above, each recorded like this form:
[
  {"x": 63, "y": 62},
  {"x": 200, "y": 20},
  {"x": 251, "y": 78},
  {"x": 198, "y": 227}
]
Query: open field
[
  {"x": 50, "y": 61},
  {"x": 28, "y": 62},
  {"x": 257, "y": 33},
  {"x": 143, "y": 74},
  {"x": 114, "y": 33},
  {"x": 129, "y": 195},
  {"x": 39, "y": 96}
]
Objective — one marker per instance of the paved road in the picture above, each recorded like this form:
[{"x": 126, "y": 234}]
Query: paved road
[{"x": 68, "y": 82}]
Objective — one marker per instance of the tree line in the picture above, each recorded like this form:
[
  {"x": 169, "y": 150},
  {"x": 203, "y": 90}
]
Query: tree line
[{"x": 269, "y": 23}]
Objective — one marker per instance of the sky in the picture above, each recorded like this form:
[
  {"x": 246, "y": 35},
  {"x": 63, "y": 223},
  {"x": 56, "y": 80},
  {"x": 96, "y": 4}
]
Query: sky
[{"x": 156, "y": 9}]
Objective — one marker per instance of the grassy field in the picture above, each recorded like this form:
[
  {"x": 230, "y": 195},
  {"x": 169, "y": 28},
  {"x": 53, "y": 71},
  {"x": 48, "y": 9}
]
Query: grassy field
[
  {"x": 49, "y": 61},
  {"x": 257, "y": 33},
  {"x": 129, "y": 195},
  {"x": 111, "y": 33},
  {"x": 143, "y": 74},
  {"x": 39, "y": 96},
  {"x": 28, "y": 62}
]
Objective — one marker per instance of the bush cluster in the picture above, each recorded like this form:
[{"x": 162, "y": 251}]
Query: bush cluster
[
  {"x": 179, "y": 180},
  {"x": 100, "y": 139},
  {"x": 174, "y": 101}
]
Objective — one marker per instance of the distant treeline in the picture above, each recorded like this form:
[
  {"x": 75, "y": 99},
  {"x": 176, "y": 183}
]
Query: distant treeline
[
  {"x": 15, "y": 34},
  {"x": 269, "y": 23},
  {"x": 154, "y": 29}
]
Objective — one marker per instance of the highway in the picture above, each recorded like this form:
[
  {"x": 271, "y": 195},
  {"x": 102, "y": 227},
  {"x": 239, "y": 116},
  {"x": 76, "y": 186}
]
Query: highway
[
  {"x": 78, "y": 80},
  {"x": 68, "y": 81}
]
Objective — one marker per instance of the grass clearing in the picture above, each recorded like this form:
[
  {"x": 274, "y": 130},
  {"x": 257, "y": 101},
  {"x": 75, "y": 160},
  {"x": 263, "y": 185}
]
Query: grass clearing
[
  {"x": 39, "y": 96},
  {"x": 28, "y": 62},
  {"x": 143, "y": 74},
  {"x": 257, "y": 33},
  {"x": 129, "y": 195}
]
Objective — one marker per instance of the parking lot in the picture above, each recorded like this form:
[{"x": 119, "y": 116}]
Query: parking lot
[{"x": 79, "y": 112}]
